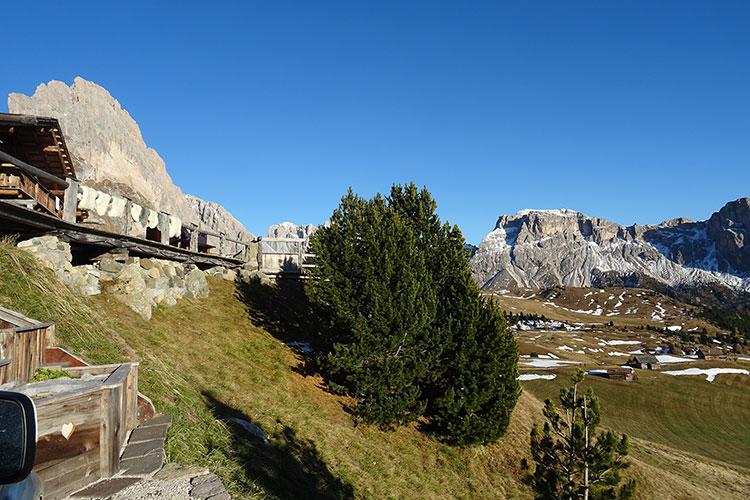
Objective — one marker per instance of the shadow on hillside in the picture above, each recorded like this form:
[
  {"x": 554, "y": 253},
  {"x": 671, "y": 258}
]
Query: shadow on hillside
[
  {"x": 287, "y": 466},
  {"x": 282, "y": 310}
]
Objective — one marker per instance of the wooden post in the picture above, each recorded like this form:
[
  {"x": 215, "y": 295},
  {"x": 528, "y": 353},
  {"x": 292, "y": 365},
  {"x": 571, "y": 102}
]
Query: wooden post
[
  {"x": 163, "y": 226},
  {"x": 70, "y": 200},
  {"x": 301, "y": 249},
  {"x": 194, "y": 239},
  {"x": 128, "y": 216}
]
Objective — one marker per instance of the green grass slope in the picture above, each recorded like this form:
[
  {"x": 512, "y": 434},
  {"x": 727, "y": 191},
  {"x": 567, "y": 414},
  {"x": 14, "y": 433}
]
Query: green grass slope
[
  {"x": 203, "y": 361},
  {"x": 685, "y": 413}
]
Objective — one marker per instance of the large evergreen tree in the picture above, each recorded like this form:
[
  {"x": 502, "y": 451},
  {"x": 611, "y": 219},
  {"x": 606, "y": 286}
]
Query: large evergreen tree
[
  {"x": 403, "y": 328},
  {"x": 571, "y": 460}
]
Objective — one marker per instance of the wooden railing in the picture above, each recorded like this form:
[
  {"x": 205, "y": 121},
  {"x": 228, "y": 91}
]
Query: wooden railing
[{"x": 20, "y": 187}]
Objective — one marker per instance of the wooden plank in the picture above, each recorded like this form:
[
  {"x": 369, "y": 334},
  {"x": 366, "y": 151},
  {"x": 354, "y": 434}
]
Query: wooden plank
[
  {"x": 112, "y": 432},
  {"x": 77, "y": 472},
  {"x": 79, "y": 371},
  {"x": 16, "y": 318}
]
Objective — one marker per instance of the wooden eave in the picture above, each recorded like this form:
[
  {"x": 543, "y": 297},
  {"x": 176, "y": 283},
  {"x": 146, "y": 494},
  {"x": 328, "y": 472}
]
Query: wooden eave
[{"x": 39, "y": 142}]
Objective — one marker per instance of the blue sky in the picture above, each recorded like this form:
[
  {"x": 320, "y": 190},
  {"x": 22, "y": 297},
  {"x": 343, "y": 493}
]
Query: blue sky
[{"x": 634, "y": 111}]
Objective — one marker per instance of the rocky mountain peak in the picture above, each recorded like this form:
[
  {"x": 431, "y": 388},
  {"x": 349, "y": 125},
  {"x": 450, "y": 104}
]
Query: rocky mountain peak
[
  {"x": 110, "y": 154},
  {"x": 730, "y": 229},
  {"x": 291, "y": 230},
  {"x": 541, "y": 248},
  {"x": 527, "y": 226}
]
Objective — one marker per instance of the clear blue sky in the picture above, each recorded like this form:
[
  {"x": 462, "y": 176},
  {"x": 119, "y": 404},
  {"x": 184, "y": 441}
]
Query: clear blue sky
[{"x": 634, "y": 111}]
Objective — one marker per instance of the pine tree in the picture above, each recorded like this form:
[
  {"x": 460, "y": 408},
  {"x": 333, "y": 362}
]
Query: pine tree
[
  {"x": 372, "y": 293},
  {"x": 403, "y": 328},
  {"x": 571, "y": 460}
]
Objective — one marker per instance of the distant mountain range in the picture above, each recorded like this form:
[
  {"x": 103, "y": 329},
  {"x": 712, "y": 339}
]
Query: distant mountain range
[{"x": 545, "y": 248}]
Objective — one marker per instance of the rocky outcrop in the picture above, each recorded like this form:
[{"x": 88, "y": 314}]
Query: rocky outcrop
[
  {"x": 543, "y": 248},
  {"x": 141, "y": 284},
  {"x": 110, "y": 155},
  {"x": 216, "y": 218},
  {"x": 291, "y": 230},
  {"x": 729, "y": 228}
]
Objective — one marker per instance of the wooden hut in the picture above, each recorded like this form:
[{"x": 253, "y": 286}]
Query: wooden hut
[
  {"x": 643, "y": 361},
  {"x": 622, "y": 373},
  {"x": 710, "y": 353}
]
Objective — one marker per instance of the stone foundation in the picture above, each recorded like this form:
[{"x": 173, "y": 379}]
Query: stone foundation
[{"x": 141, "y": 284}]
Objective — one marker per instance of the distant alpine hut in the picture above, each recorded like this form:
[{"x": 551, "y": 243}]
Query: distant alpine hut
[
  {"x": 710, "y": 353},
  {"x": 622, "y": 373},
  {"x": 644, "y": 361}
]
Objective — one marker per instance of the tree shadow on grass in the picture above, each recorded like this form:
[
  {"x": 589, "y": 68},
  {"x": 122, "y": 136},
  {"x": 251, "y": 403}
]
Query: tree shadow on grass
[
  {"x": 283, "y": 311},
  {"x": 286, "y": 466}
]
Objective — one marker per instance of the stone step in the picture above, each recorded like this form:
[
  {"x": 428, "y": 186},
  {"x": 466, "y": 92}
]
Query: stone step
[
  {"x": 144, "y": 476},
  {"x": 144, "y": 454},
  {"x": 106, "y": 487}
]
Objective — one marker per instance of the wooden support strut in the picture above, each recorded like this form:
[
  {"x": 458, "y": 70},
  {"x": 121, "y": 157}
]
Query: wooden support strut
[
  {"x": 128, "y": 216},
  {"x": 163, "y": 226},
  {"x": 194, "y": 239},
  {"x": 70, "y": 200}
]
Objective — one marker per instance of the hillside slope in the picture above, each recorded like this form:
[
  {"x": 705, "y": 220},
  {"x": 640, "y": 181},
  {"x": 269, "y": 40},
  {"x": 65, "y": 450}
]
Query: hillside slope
[{"x": 209, "y": 359}]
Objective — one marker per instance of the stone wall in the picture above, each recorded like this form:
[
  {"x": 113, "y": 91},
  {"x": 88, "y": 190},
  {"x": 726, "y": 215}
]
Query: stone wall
[{"x": 141, "y": 284}]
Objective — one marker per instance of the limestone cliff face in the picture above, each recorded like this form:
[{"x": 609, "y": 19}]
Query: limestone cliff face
[
  {"x": 110, "y": 154},
  {"x": 215, "y": 217},
  {"x": 542, "y": 248}
]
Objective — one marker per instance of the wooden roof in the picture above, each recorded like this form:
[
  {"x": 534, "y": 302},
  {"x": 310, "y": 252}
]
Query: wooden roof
[
  {"x": 645, "y": 358},
  {"x": 37, "y": 141},
  {"x": 620, "y": 370}
]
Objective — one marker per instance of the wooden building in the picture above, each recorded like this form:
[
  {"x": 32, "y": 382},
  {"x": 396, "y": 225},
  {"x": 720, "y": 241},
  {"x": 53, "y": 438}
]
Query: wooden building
[
  {"x": 35, "y": 165},
  {"x": 643, "y": 361},
  {"x": 710, "y": 353},
  {"x": 39, "y": 194},
  {"x": 622, "y": 373}
]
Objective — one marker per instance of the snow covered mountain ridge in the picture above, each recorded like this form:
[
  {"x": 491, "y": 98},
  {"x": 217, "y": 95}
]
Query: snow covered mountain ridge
[{"x": 543, "y": 248}]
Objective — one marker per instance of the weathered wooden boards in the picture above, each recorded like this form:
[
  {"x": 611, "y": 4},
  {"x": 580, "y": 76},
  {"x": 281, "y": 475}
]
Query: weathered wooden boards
[
  {"x": 82, "y": 433},
  {"x": 22, "y": 344},
  {"x": 283, "y": 255}
]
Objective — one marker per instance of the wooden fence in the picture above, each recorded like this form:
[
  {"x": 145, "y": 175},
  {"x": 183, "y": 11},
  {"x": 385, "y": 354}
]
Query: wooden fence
[
  {"x": 283, "y": 255},
  {"x": 22, "y": 345},
  {"x": 82, "y": 433}
]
